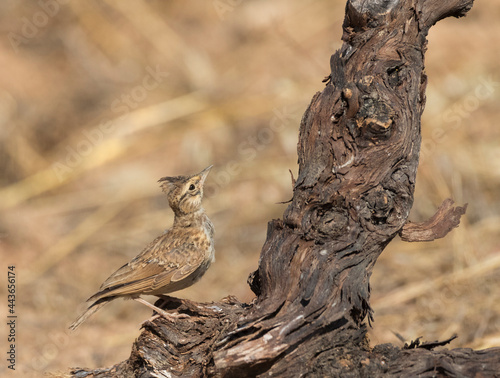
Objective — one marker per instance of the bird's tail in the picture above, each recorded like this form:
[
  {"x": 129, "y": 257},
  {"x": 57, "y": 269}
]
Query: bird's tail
[{"x": 90, "y": 311}]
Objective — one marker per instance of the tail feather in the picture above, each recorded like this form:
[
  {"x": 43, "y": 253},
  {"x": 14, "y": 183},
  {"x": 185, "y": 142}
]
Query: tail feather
[{"x": 89, "y": 312}]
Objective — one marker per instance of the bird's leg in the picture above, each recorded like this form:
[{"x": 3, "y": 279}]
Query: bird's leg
[{"x": 163, "y": 313}]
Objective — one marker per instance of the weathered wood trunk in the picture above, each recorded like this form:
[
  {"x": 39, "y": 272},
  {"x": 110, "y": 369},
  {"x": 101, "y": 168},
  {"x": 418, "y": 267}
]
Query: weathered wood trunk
[{"x": 358, "y": 155}]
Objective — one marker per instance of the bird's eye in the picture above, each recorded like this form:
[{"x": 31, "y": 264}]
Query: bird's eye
[{"x": 191, "y": 187}]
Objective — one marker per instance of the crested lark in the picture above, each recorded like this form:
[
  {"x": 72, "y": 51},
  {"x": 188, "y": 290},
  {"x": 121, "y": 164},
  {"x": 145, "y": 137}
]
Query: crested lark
[{"x": 171, "y": 262}]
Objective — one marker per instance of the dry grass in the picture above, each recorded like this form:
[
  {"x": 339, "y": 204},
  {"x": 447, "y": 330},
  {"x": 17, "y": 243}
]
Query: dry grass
[{"x": 77, "y": 83}]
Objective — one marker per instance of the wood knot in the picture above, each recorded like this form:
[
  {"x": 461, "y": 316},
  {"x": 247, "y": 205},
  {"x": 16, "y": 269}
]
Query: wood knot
[
  {"x": 375, "y": 120},
  {"x": 332, "y": 223},
  {"x": 380, "y": 204}
]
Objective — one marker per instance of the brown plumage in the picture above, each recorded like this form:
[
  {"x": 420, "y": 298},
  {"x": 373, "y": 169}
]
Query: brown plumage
[{"x": 174, "y": 260}]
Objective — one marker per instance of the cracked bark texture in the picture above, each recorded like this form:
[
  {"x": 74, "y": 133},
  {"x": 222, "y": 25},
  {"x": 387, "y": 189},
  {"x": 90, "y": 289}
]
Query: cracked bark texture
[{"x": 358, "y": 155}]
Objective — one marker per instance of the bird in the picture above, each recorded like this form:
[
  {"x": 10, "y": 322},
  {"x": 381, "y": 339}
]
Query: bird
[{"x": 174, "y": 260}]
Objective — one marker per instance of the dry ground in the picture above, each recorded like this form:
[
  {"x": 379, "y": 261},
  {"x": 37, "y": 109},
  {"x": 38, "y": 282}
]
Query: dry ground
[{"x": 99, "y": 99}]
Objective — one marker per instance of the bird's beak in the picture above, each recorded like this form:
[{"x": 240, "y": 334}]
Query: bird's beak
[{"x": 204, "y": 174}]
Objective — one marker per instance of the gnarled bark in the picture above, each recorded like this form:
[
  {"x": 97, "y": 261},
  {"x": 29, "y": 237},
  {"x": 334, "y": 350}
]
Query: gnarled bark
[{"x": 358, "y": 155}]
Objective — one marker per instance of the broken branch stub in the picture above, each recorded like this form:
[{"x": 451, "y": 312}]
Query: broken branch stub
[{"x": 438, "y": 226}]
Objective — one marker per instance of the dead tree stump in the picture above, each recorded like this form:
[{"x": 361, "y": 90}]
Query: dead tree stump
[{"x": 358, "y": 155}]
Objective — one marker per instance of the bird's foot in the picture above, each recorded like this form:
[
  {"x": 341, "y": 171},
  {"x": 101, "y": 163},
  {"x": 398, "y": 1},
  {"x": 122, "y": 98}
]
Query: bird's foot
[
  {"x": 148, "y": 321},
  {"x": 160, "y": 313}
]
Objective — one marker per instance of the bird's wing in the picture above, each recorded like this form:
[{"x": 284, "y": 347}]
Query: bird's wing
[
  {"x": 158, "y": 264},
  {"x": 144, "y": 265}
]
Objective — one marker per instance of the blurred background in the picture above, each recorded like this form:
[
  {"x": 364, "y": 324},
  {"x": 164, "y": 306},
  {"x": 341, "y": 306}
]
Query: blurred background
[{"x": 99, "y": 99}]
